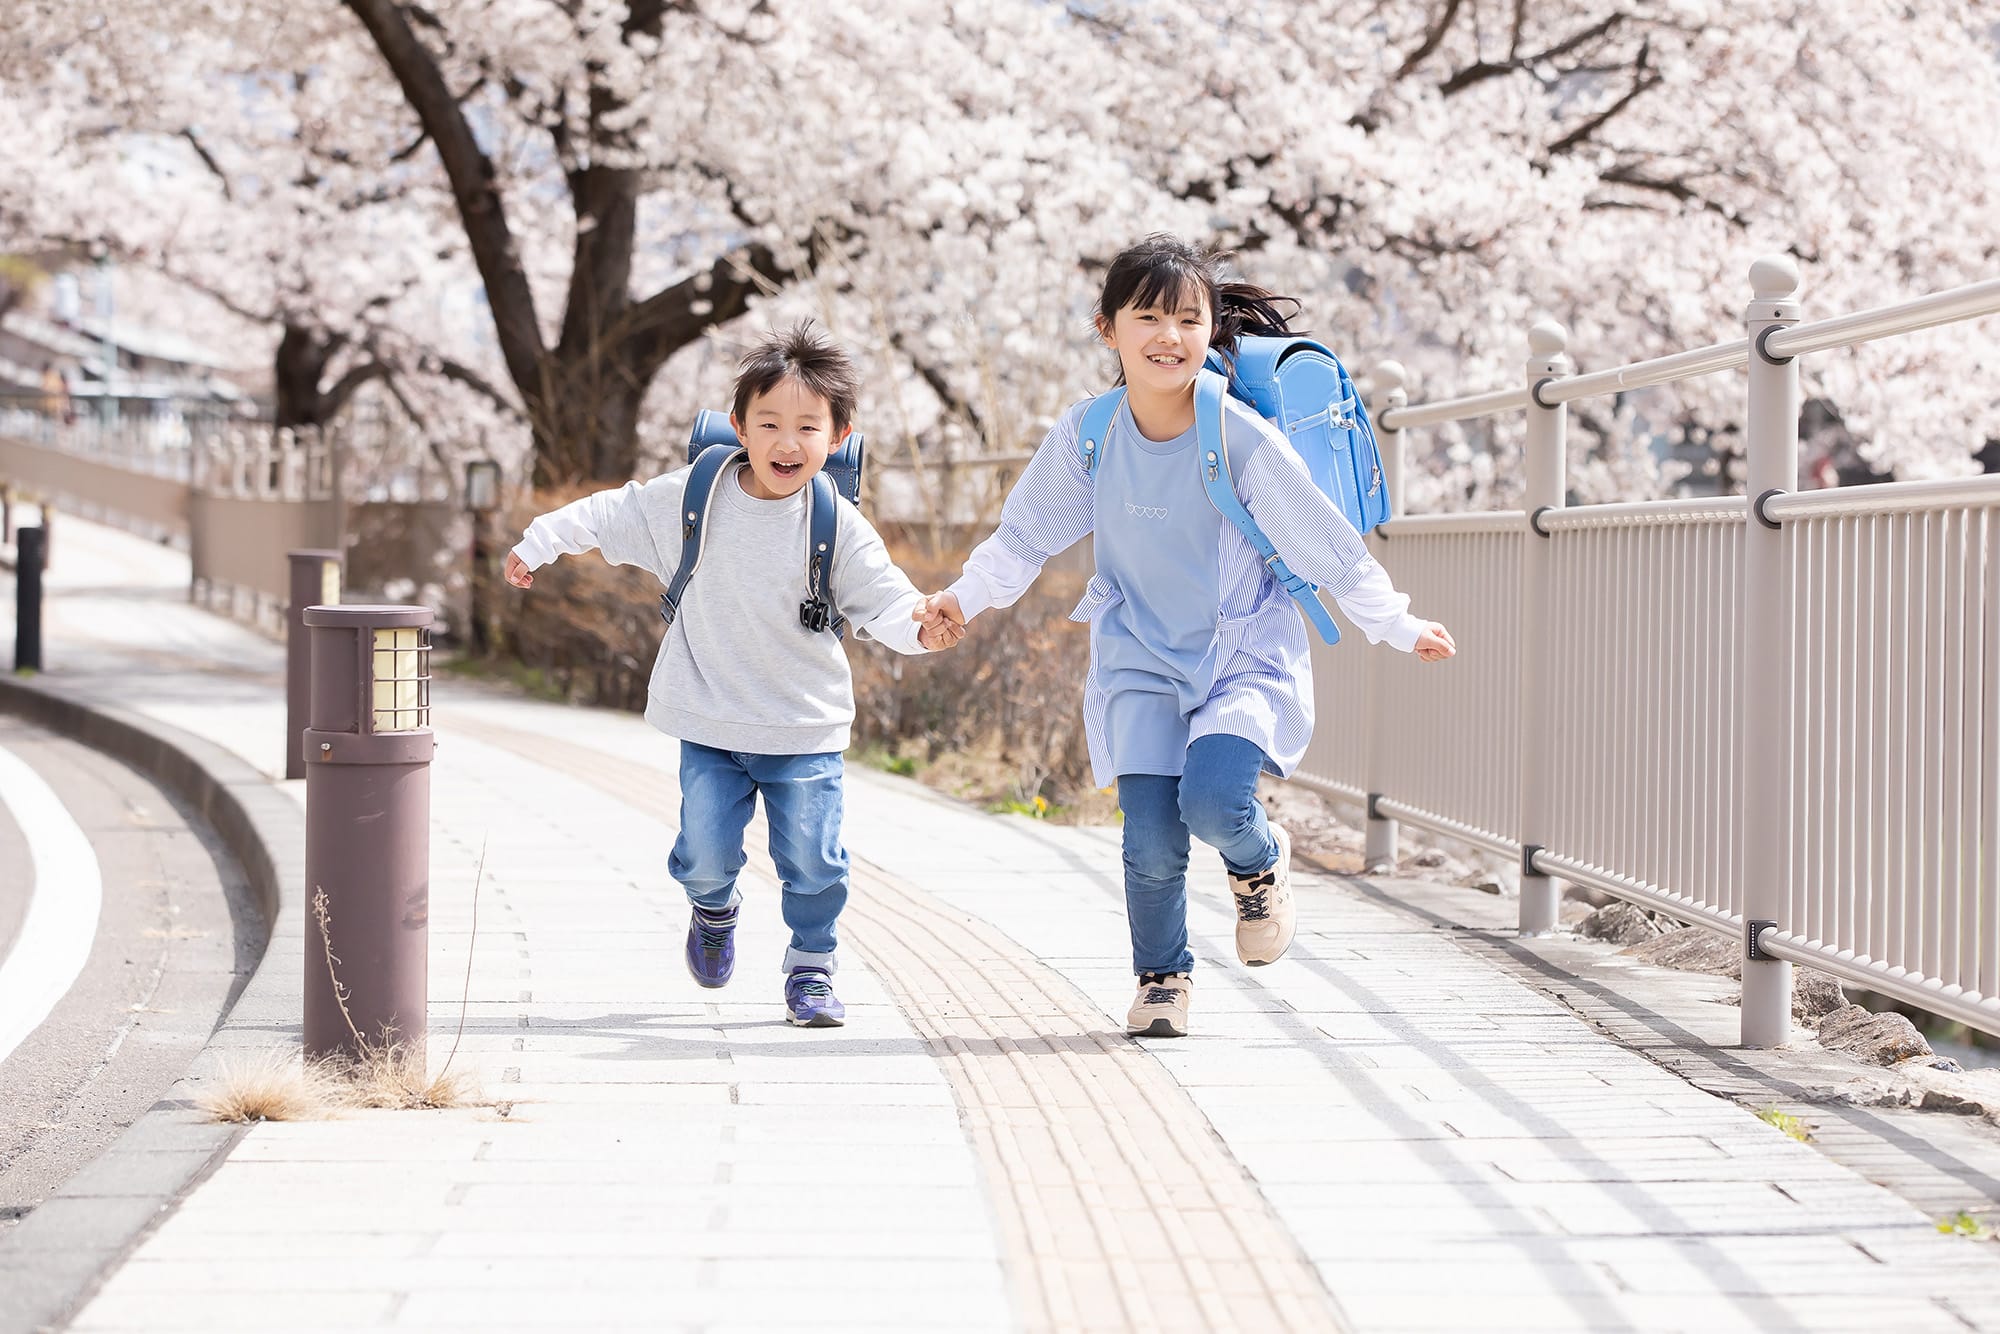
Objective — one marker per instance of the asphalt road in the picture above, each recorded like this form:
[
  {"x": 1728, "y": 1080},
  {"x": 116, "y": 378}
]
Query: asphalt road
[{"x": 176, "y": 937}]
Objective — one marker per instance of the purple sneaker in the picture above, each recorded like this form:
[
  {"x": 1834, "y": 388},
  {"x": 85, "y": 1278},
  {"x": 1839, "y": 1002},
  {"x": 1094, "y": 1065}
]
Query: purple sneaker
[
  {"x": 809, "y": 995},
  {"x": 711, "y": 946}
]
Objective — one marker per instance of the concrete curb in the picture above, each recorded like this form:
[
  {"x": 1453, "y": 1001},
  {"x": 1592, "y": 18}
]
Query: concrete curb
[{"x": 58, "y": 1256}]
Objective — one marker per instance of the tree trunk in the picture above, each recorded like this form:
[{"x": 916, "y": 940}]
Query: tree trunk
[
  {"x": 298, "y": 371},
  {"x": 586, "y": 426}
]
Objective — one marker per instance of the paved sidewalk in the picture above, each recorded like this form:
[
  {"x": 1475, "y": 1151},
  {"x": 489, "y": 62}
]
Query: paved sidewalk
[{"x": 1391, "y": 1129}]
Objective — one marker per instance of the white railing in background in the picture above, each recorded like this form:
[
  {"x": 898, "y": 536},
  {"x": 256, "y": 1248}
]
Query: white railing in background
[
  {"x": 1643, "y": 613},
  {"x": 1776, "y": 715},
  {"x": 237, "y": 491}
]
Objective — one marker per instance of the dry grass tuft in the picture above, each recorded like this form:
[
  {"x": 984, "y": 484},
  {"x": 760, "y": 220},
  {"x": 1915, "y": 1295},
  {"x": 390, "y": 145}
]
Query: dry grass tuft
[
  {"x": 397, "y": 1076},
  {"x": 272, "y": 1085}
]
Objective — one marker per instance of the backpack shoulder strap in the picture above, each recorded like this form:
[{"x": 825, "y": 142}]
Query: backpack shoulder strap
[
  {"x": 1095, "y": 426},
  {"x": 822, "y": 532},
  {"x": 1212, "y": 449},
  {"x": 708, "y": 465}
]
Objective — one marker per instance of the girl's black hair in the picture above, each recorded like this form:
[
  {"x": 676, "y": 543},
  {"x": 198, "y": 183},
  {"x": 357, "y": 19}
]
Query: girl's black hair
[{"x": 1165, "y": 271}]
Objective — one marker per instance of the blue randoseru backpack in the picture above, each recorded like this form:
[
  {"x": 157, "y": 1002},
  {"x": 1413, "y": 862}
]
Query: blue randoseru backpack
[
  {"x": 712, "y": 447},
  {"x": 1300, "y": 387}
]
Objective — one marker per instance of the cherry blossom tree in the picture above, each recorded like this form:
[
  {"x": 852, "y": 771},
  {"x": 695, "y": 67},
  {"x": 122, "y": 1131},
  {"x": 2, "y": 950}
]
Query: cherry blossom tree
[{"x": 632, "y": 184}]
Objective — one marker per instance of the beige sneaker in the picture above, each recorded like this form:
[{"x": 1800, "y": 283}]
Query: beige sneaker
[
  {"x": 1265, "y": 914},
  {"x": 1161, "y": 1007}
]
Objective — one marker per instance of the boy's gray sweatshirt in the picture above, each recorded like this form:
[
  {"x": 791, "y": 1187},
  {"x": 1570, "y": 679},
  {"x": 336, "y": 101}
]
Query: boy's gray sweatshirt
[{"x": 736, "y": 670}]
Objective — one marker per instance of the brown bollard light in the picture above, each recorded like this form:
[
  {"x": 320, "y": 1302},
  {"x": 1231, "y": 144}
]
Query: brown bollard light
[
  {"x": 368, "y": 748},
  {"x": 315, "y": 581}
]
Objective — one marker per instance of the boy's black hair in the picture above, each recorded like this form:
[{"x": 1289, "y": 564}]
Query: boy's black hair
[
  {"x": 1165, "y": 271},
  {"x": 804, "y": 354}
]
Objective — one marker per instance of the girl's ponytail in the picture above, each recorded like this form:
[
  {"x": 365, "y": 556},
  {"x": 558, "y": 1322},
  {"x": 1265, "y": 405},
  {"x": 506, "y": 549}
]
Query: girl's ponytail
[{"x": 1243, "y": 310}]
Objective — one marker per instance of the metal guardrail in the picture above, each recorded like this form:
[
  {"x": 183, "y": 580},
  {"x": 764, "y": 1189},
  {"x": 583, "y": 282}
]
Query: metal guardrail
[{"x": 1775, "y": 715}]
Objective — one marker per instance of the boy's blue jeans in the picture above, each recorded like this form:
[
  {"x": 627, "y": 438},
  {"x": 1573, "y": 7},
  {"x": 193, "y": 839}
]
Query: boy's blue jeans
[
  {"x": 802, "y": 805},
  {"x": 1215, "y": 800}
]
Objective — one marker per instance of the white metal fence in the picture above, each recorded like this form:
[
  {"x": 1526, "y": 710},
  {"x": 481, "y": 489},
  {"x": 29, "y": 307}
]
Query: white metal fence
[
  {"x": 1776, "y": 715},
  {"x": 236, "y": 491}
]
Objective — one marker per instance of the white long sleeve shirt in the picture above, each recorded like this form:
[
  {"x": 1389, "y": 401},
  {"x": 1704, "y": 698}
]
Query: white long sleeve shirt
[
  {"x": 736, "y": 669},
  {"x": 1263, "y": 684}
]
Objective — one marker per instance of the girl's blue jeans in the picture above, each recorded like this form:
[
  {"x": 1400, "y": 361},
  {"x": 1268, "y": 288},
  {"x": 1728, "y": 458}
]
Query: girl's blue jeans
[
  {"x": 1215, "y": 800},
  {"x": 802, "y": 805}
]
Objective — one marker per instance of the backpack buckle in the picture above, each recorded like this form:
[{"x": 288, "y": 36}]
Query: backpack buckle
[
  {"x": 1287, "y": 579},
  {"x": 815, "y": 614}
]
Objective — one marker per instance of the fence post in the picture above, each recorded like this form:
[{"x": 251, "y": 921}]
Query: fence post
[
  {"x": 1547, "y": 489},
  {"x": 1389, "y": 389},
  {"x": 1771, "y": 464}
]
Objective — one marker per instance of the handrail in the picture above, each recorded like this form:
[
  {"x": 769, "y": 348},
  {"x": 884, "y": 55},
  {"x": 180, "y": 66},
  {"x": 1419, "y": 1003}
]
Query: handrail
[
  {"x": 1455, "y": 409},
  {"x": 1697, "y": 509},
  {"x": 1476, "y": 521},
  {"x": 1659, "y": 370},
  {"x": 1883, "y": 498},
  {"x": 1957, "y": 303}
]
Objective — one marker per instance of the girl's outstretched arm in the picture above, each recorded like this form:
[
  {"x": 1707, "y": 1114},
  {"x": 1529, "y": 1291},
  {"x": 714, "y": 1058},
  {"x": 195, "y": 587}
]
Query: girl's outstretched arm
[
  {"x": 1319, "y": 544},
  {"x": 1046, "y": 513}
]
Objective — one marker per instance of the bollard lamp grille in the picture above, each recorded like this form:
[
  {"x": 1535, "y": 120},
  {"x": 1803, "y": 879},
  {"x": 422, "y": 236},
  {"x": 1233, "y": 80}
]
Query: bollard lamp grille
[{"x": 402, "y": 680}]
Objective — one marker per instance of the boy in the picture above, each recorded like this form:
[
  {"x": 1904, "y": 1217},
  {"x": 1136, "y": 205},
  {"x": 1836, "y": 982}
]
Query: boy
[{"x": 761, "y": 704}]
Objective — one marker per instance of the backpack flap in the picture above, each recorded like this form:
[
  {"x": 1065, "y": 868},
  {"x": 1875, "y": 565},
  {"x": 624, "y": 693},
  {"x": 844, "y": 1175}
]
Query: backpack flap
[
  {"x": 1253, "y": 369},
  {"x": 1299, "y": 385},
  {"x": 710, "y": 428},
  {"x": 843, "y": 465}
]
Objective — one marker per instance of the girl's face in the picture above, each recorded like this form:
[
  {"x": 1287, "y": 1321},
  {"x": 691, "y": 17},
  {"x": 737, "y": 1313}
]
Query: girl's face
[{"x": 1160, "y": 347}]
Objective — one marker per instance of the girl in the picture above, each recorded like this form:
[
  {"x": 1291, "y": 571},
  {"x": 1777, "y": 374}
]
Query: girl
[{"x": 1199, "y": 676}]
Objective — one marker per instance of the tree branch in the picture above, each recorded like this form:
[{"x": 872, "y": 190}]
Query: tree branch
[
  {"x": 473, "y": 186},
  {"x": 208, "y": 160},
  {"x": 1628, "y": 175},
  {"x": 1432, "y": 40},
  {"x": 1643, "y": 81},
  {"x": 1480, "y": 71},
  {"x": 343, "y": 389},
  {"x": 673, "y": 317},
  {"x": 952, "y": 400},
  {"x": 471, "y": 379}
]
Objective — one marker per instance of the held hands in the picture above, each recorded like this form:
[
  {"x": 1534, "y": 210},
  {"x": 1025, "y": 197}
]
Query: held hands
[
  {"x": 517, "y": 572},
  {"x": 1435, "y": 644},
  {"x": 942, "y": 621}
]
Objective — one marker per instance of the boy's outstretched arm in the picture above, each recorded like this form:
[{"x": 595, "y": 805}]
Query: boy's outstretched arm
[
  {"x": 614, "y": 523},
  {"x": 876, "y": 597}
]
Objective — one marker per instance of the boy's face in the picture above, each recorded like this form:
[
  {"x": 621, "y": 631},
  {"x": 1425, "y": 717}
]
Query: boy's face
[{"x": 788, "y": 431}]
